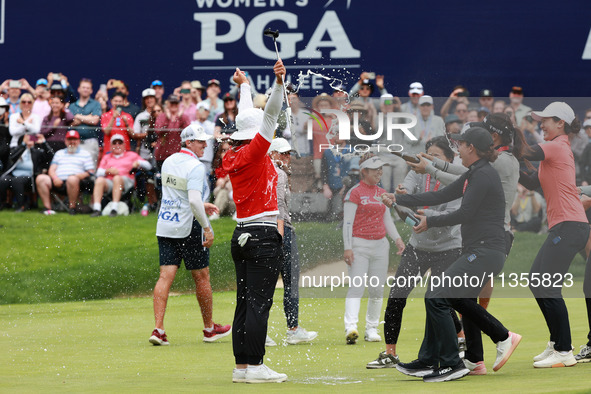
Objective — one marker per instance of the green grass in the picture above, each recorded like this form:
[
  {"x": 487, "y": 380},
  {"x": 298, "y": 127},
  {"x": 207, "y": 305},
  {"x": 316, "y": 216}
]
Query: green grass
[
  {"x": 66, "y": 258},
  {"x": 102, "y": 346}
]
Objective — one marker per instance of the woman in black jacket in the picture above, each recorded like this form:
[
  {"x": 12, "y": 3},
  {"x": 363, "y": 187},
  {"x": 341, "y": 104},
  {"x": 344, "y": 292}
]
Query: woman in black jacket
[{"x": 28, "y": 159}]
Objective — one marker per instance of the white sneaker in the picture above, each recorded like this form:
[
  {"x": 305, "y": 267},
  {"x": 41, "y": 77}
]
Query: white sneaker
[
  {"x": 263, "y": 374},
  {"x": 371, "y": 335},
  {"x": 270, "y": 342},
  {"x": 352, "y": 336},
  {"x": 547, "y": 352},
  {"x": 239, "y": 375},
  {"x": 556, "y": 359},
  {"x": 300, "y": 335},
  {"x": 505, "y": 349},
  {"x": 214, "y": 216},
  {"x": 584, "y": 355}
]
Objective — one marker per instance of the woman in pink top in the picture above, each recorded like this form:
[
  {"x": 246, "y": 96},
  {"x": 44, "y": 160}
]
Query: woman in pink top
[
  {"x": 568, "y": 229},
  {"x": 365, "y": 225}
]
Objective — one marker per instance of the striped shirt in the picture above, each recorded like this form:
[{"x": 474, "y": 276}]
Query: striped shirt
[{"x": 72, "y": 163}]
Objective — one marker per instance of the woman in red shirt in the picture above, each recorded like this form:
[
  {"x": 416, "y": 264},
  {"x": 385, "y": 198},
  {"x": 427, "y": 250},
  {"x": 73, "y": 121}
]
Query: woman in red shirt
[
  {"x": 256, "y": 243},
  {"x": 568, "y": 229}
]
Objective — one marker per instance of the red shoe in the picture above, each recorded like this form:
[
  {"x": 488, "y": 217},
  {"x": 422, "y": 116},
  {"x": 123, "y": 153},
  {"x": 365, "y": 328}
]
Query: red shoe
[
  {"x": 158, "y": 339},
  {"x": 217, "y": 332}
]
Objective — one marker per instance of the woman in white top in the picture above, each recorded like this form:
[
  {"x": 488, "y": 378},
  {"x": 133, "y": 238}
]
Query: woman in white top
[{"x": 25, "y": 122}]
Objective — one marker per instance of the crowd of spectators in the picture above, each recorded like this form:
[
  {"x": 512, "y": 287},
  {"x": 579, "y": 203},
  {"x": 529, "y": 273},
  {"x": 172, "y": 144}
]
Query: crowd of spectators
[{"x": 55, "y": 137}]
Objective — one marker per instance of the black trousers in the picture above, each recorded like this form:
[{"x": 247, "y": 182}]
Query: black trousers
[
  {"x": 440, "y": 346},
  {"x": 257, "y": 266},
  {"x": 413, "y": 263},
  {"x": 290, "y": 273},
  {"x": 553, "y": 260},
  {"x": 19, "y": 185}
]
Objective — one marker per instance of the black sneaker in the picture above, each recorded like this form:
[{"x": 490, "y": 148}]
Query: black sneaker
[
  {"x": 445, "y": 374},
  {"x": 72, "y": 211},
  {"x": 95, "y": 214},
  {"x": 415, "y": 368},
  {"x": 113, "y": 213}
]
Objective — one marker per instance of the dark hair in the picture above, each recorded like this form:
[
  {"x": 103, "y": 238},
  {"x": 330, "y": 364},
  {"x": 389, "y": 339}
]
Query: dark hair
[
  {"x": 490, "y": 154},
  {"x": 217, "y": 158},
  {"x": 442, "y": 143},
  {"x": 573, "y": 128},
  {"x": 118, "y": 94},
  {"x": 509, "y": 134}
]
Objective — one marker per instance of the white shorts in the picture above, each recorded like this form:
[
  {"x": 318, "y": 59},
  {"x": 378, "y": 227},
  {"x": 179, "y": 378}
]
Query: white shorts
[{"x": 128, "y": 183}]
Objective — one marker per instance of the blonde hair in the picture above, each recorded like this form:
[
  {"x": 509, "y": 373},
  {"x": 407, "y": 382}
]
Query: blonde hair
[{"x": 25, "y": 96}]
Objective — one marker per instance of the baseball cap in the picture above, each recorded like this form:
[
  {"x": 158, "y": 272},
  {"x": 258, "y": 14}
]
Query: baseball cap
[
  {"x": 196, "y": 85},
  {"x": 587, "y": 123},
  {"x": 372, "y": 163},
  {"x": 486, "y": 93},
  {"x": 280, "y": 145},
  {"x": 148, "y": 92},
  {"x": 228, "y": 97},
  {"x": 213, "y": 82},
  {"x": 41, "y": 81},
  {"x": 157, "y": 82},
  {"x": 72, "y": 134},
  {"x": 477, "y": 136},
  {"x": 426, "y": 100},
  {"x": 203, "y": 105},
  {"x": 558, "y": 109},
  {"x": 517, "y": 90},
  {"x": 387, "y": 99},
  {"x": 416, "y": 87},
  {"x": 498, "y": 123},
  {"x": 173, "y": 98},
  {"x": 57, "y": 86},
  {"x": 452, "y": 118},
  {"x": 194, "y": 132},
  {"x": 116, "y": 137}
]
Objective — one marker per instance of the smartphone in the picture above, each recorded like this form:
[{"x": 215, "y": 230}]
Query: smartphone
[
  {"x": 371, "y": 75},
  {"x": 118, "y": 110},
  {"x": 14, "y": 84},
  {"x": 185, "y": 91},
  {"x": 103, "y": 87},
  {"x": 57, "y": 76}
]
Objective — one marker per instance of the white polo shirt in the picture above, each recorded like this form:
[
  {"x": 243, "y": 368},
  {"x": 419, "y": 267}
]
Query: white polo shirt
[{"x": 181, "y": 172}]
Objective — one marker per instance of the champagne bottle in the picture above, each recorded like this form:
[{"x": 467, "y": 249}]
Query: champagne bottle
[
  {"x": 407, "y": 157},
  {"x": 406, "y": 214}
]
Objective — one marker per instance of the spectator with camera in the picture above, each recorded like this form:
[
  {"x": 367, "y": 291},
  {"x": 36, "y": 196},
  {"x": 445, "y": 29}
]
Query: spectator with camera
[
  {"x": 225, "y": 123},
  {"x": 58, "y": 84},
  {"x": 87, "y": 113},
  {"x": 458, "y": 95},
  {"x": 122, "y": 88},
  {"x": 24, "y": 121},
  {"x": 187, "y": 106},
  {"x": 41, "y": 105},
  {"x": 69, "y": 171},
  {"x": 168, "y": 130},
  {"x": 54, "y": 126},
  {"x": 29, "y": 159},
  {"x": 216, "y": 105},
  {"x": 116, "y": 121},
  {"x": 116, "y": 174}
]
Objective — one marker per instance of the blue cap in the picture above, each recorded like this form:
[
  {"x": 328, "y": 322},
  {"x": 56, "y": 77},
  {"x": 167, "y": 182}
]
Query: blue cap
[
  {"x": 157, "y": 82},
  {"x": 42, "y": 81}
]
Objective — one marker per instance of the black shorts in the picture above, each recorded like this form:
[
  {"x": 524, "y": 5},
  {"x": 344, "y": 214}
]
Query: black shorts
[
  {"x": 86, "y": 184},
  {"x": 189, "y": 249}
]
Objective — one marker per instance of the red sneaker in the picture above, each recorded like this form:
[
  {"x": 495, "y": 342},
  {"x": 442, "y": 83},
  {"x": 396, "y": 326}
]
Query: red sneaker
[
  {"x": 217, "y": 332},
  {"x": 158, "y": 339}
]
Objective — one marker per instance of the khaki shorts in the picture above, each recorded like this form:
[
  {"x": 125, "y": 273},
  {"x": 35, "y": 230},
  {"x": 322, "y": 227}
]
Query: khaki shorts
[{"x": 128, "y": 183}]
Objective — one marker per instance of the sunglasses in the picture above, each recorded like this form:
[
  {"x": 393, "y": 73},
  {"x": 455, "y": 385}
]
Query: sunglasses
[{"x": 27, "y": 102}]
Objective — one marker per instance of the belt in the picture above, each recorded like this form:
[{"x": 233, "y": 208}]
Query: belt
[{"x": 252, "y": 224}]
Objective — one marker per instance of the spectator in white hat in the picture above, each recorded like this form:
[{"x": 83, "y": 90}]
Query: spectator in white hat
[
  {"x": 116, "y": 174},
  {"x": 203, "y": 119},
  {"x": 415, "y": 91},
  {"x": 428, "y": 126},
  {"x": 216, "y": 104}
]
